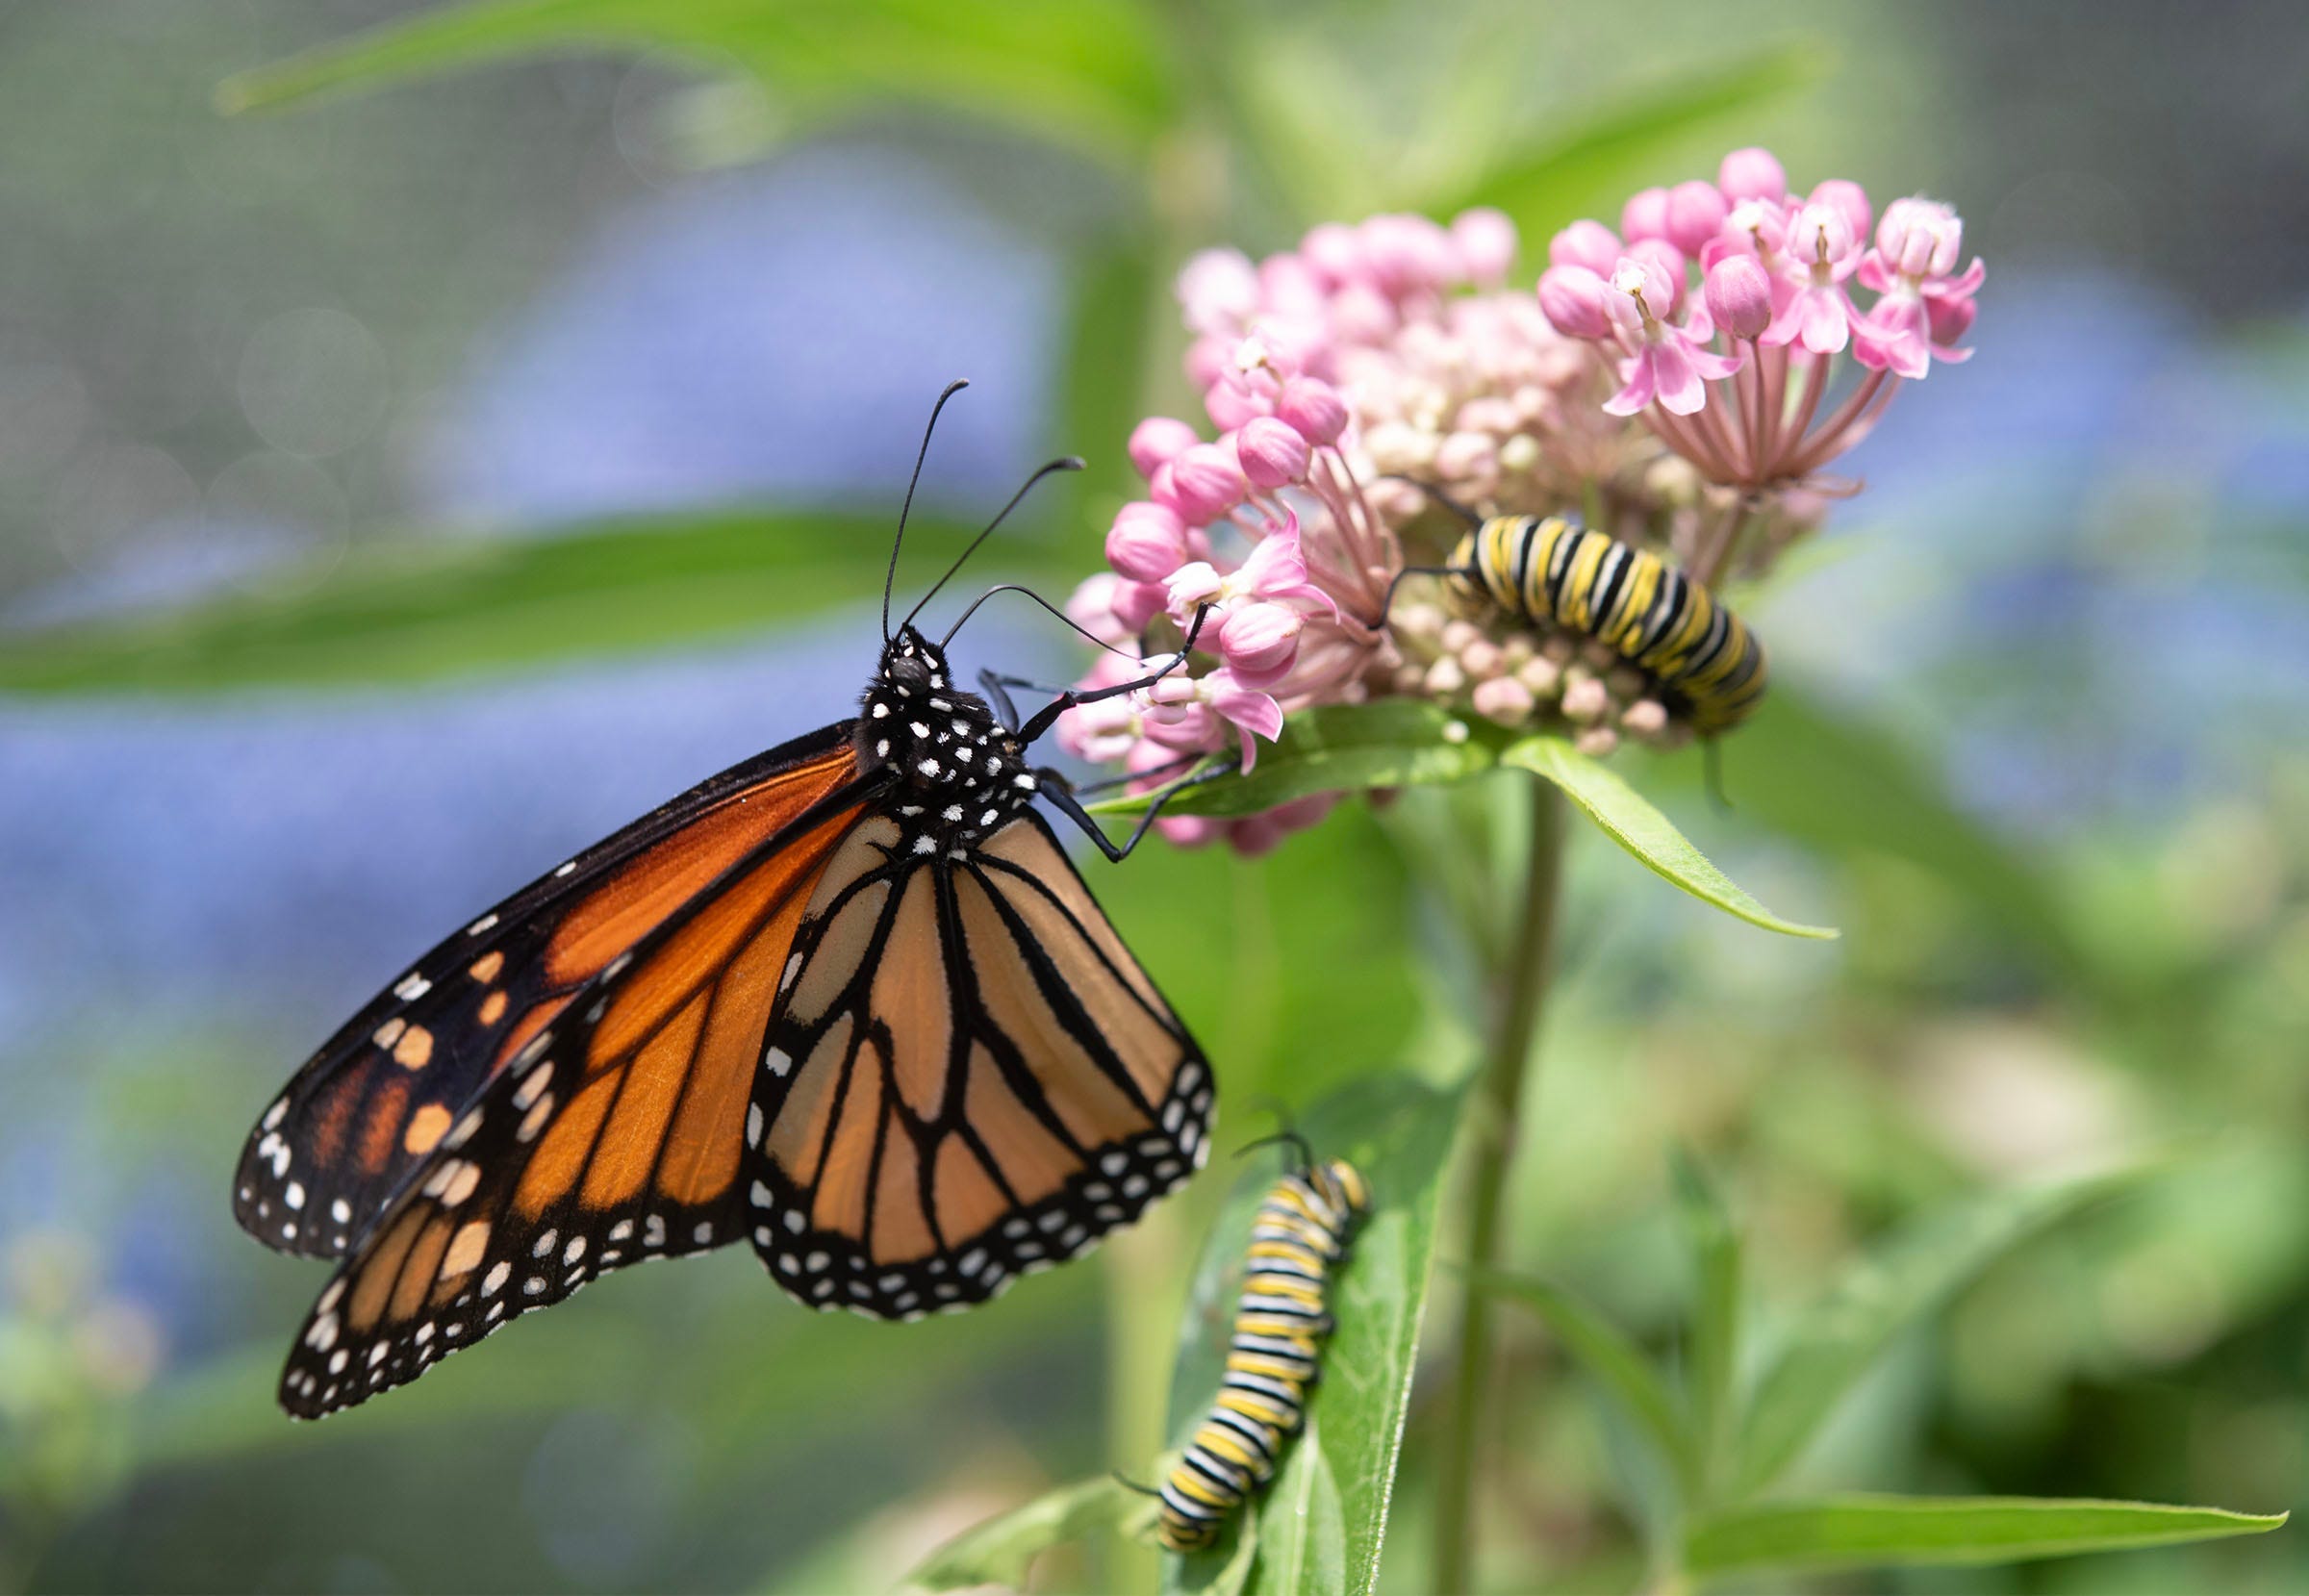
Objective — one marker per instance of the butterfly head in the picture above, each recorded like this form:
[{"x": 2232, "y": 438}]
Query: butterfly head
[{"x": 945, "y": 746}]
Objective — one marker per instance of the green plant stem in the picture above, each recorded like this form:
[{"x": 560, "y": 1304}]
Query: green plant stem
[{"x": 1522, "y": 979}]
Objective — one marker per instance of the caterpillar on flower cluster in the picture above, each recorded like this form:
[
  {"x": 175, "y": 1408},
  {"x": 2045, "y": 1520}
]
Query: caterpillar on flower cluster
[{"x": 1644, "y": 609}]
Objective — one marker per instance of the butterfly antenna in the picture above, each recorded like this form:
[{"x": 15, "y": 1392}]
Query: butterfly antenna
[
  {"x": 1065, "y": 463},
  {"x": 952, "y": 389},
  {"x": 1013, "y": 587}
]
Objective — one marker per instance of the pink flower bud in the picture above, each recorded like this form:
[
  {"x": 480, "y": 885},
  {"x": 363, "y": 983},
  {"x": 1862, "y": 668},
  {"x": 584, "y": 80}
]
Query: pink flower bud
[
  {"x": 1289, "y": 286},
  {"x": 1137, "y": 604},
  {"x": 1644, "y": 216},
  {"x": 1664, "y": 267},
  {"x": 1188, "y": 830},
  {"x": 1231, "y": 402},
  {"x": 1739, "y": 295},
  {"x": 1147, "y": 542},
  {"x": 1360, "y": 314},
  {"x": 1921, "y": 238},
  {"x": 1504, "y": 700},
  {"x": 1573, "y": 298},
  {"x": 1695, "y": 214},
  {"x": 1260, "y": 644},
  {"x": 1157, "y": 441},
  {"x": 1218, "y": 290},
  {"x": 1272, "y": 453},
  {"x": 1208, "y": 359},
  {"x": 1203, "y": 485},
  {"x": 1463, "y": 456},
  {"x": 1407, "y": 254},
  {"x": 1585, "y": 244},
  {"x": 1752, "y": 173},
  {"x": 1851, "y": 199},
  {"x": 1314, "y": 409},
  {"x": 1486, "y": 244},
  {"x": 1333, "y": 253}
]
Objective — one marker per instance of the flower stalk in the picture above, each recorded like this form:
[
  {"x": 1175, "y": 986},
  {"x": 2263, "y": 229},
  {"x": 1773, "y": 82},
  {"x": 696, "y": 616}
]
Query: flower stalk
[{"x": 1521, "y": 980}]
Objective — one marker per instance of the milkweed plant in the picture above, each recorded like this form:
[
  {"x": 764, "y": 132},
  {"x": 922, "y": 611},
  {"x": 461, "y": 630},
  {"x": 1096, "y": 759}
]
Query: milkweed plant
[
  {"x": 1688, "y": 383},
  {"x": 1685, "y": 384}
]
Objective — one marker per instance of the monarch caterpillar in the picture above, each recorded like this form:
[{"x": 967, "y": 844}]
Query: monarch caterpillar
[
  {"x": 1302, "y": 1228},
  {"x": 1644, "y": 609}
]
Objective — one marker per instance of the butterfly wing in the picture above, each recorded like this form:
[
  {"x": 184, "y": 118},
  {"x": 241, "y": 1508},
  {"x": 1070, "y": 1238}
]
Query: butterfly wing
[
  {"x": 969, "y": 1077},
  {"x": 375, "y": 1102},
  {"x": 613, "y": 1135}
]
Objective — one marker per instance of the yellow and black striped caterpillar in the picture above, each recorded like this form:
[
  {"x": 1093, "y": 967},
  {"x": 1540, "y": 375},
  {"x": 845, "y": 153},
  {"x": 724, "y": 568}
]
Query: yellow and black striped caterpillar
[
  {"x": 1641, "y": 608},
  {"x": 1302, "y": 1230}
]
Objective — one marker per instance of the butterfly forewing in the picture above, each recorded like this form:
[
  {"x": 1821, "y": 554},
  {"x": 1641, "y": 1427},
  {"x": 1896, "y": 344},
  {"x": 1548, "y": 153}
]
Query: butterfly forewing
[
  {"x": 969, "y": 1078},
  {"x": 375, "y": 1102},
  {"x": 612, "y": 1136}
]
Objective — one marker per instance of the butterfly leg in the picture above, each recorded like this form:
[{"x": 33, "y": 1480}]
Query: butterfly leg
[
  {"x": 1061, "y": 793},
  {"x": 997, "y": 685},
  {"x": 1048, "y": 715},
  {"x": 997, "y": 688}
]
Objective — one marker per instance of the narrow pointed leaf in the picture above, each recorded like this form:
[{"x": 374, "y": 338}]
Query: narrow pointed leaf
[
  {"x": 1830, "y": 1345},
  {"x": 1345, "y": 748},
  {"x": 1613, "y": 1361},
  {"x": 1582, "y": 167},
  {"x": 1713, "y": 1352},
  {"x": 416, "y": 609},
  {"x": 1091, "y": 74},
  {"x": 1322, "y": 1523},
  {"x": 1882, "y": 1531},
  {"x": 1000, "y": 1550},
  {"x": 1844, "y": 788},
  {"x": 1629, "y": 819}
]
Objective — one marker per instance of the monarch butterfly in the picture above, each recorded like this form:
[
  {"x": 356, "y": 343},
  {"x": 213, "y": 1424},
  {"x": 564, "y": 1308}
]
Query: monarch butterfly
[
  {"x": 1634, "y": 604},
  {"x": 1302, "y": 1228},
  {"x": 848, "y": 1000}
]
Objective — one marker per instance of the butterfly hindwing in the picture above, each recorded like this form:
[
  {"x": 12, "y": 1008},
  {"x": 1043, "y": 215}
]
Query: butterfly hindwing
[
  {"x": 377, "y": 1098},
  {"x": 614, "y": 1134},
  {"x": 969, "y": 1078}
]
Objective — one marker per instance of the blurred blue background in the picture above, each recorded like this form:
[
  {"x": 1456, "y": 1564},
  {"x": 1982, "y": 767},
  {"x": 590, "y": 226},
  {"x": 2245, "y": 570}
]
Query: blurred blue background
[{"x": 2069, "y": 620}]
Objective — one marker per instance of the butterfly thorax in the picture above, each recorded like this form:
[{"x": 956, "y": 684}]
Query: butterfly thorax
[{"x": 958, "y": 774}]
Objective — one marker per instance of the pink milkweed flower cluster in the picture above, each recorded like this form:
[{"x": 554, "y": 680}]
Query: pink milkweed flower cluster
[
  {"x": 1719, "y": 307},
  {"x": 1664, "y": 382}
]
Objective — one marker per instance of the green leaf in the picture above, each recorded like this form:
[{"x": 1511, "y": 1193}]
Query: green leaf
[
  {"x": 1405, "y": 742},
  {"x": 1873, "y": 1532},
  {"x": 1002, "y": 1551},
  {"x": 1828, "y": 1347},
  {"x": 1323, "y": 1521},
  {"x": 414, "y": 609},
  {"x": 1613, "y": 1361},
  {"x": 1843, "y": 787},
  {"x": 1714, "y": 1350},
  {"x": 1343, "y": 748},
  {"x": 1629, "y": 818},
  {"x": 1591, "y": 165},
  {"x": 1091, "y": 75}
]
